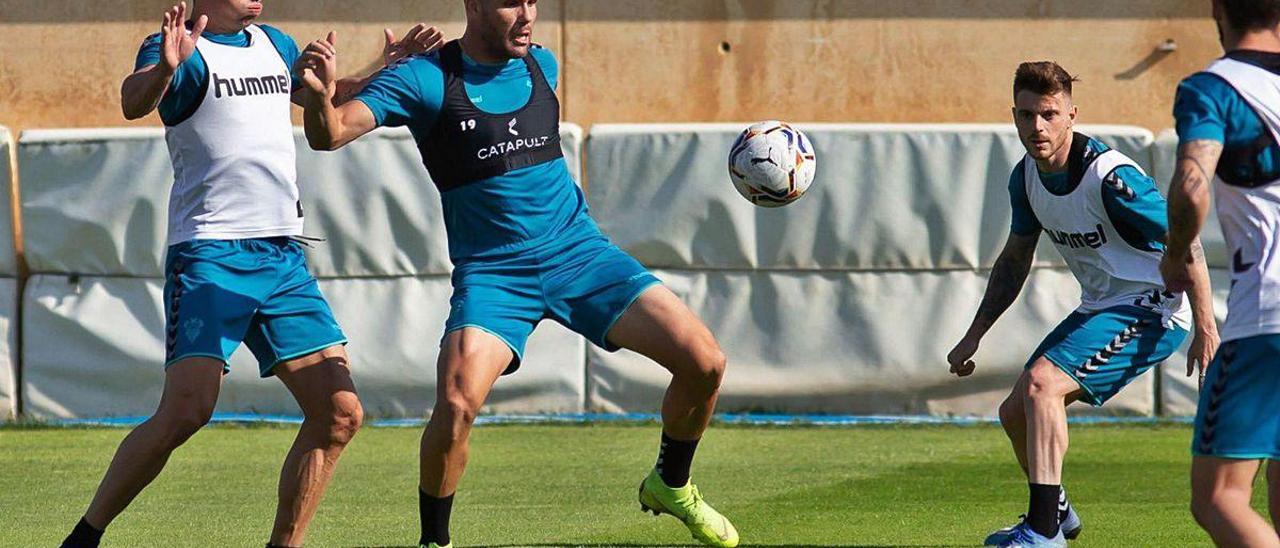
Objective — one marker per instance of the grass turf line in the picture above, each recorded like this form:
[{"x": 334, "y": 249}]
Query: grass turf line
[{"x": 576, "y": 485}]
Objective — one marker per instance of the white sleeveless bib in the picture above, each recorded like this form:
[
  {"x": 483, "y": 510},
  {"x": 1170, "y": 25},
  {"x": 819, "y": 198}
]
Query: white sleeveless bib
[
  {"x": 1110, "y": 271},
  {"x": 233, "y": 159},
  {"x": 1250, "y": 217}
]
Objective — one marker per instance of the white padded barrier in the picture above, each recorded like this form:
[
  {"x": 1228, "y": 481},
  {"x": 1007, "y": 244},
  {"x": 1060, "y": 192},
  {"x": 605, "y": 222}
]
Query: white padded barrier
[
  {"x": 98, "y": 199},
  {"x": 849, "y": 299},
  {"x": 8, "y": 283},
  {"x": 94, "y": 348},
  {"x": 885, "y": 196},
  {"x": 95, "y": 203},
  {"x": 850, "y": 342}
]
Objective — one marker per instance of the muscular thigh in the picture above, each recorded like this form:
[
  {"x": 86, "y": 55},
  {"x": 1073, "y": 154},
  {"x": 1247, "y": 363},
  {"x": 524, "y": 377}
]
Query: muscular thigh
[{"x": 660, "y": 326}]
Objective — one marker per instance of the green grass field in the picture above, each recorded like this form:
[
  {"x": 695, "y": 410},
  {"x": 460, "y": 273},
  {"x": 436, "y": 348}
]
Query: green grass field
[{"x": 576, "y": 486}]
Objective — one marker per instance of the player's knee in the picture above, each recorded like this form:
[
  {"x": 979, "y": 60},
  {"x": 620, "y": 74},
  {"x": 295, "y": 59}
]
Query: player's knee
[
  {"x": 1044, "y": 382},
  {"x": 178, "y": 426},
  {"x": 711, "y": 366},
  {"x": 345, "y": 420},
  {"x": 458, "y": 413}
]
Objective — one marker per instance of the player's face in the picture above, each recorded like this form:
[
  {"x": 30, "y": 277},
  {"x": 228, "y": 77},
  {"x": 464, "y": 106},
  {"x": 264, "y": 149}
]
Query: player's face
[
  {"x": 1044, "y": 122},
  {"x": 232, "y": 12},
  {"x": 507, "y": 25}
]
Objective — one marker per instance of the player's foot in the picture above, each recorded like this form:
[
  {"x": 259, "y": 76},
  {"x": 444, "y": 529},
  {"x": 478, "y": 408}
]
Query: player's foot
[
  {"x": 686, "y": 504},
  {"x": 1071, "y": 527},
  {"x": 1021, "y": 536}
]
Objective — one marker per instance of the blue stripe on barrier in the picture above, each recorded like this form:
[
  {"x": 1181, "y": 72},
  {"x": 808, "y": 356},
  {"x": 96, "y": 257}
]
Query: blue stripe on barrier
[{"x": 584, "y": 418}]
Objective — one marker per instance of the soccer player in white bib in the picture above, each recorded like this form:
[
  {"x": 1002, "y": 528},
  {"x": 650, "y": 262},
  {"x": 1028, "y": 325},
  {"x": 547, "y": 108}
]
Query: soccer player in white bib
[
  {"x": 1107, "y": 219},
  {"x": 235, "y": 272},
  {"x": 1228, "y": 122}
]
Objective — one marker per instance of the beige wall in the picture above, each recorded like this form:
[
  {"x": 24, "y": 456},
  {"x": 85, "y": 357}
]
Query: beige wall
[{"x": 61, "y": 61}]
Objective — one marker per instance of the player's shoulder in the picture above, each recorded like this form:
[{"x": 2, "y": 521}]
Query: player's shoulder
[
  {"x": 1206, "y": 85},
  {"x": 152, "y": 41},
  {"x": 1019, "y": 173},
  {"x": 278, "y": 37},
  {"x": 543, "y": 56},
  {"x": 1127, "y": 182}
]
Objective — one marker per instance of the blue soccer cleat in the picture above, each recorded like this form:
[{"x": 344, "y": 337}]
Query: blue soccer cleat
[
  {"x": 1070, "y": 528},
  {"x": 1021, "y": 536}
]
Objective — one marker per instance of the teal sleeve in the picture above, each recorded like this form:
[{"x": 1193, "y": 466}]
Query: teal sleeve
[
  {"x": 185, "y": 87},
  {"x": 408, "y": 92},
  {"x": 1024, "y": 221},
  {"x": 1198, "y": 111},
  {"x": 1136, "y": 208},
  {"x": 550, "y": 67}
]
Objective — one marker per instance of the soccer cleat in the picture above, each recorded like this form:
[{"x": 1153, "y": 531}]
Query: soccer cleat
[
  {"x": 686, "y": 504},
  {"x": 1071, "y": 527},
  {"x": 1021, "y": 536}
]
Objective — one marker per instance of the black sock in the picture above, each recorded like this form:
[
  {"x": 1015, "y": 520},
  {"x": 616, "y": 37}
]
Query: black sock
[
  {"x": 1064, "y": 506},
  {"x": 83, "y": 536},
  {"x": 434, "y": 512},
  {"x": 1042, "y": 513},
  {"x": 674, "y": 459}
]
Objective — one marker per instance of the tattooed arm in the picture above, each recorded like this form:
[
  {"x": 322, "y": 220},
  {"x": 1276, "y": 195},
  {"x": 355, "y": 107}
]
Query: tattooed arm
[
  {"x": 1188, "y": 207},
  {"x": 1007, "y": 277},
  {"x": 1183, "y": 266}
]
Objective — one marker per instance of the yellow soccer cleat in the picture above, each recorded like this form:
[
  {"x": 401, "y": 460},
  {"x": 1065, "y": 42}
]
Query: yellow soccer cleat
[{"x": 686, "y": 504}]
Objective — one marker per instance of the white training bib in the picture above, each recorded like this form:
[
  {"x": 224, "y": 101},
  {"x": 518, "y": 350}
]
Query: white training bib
[
  {"x": 1250, "y": 217},
  {"x": 1110, "y": 271},
  {"x": 233, "y": 158}
]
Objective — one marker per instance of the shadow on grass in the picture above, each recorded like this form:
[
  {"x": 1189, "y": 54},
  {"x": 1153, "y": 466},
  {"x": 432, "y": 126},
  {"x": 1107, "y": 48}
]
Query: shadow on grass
[{"x": 657, "y": 545}]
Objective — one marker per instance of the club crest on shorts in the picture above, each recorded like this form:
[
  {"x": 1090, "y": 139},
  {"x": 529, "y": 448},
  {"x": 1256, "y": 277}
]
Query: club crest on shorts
[{"x": 191, "y": 328}]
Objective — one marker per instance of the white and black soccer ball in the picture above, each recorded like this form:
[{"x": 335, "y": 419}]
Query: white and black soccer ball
[{"x": 772, "y": 164}]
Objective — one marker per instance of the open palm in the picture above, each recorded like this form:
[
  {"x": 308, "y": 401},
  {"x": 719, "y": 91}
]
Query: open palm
[{"x": 176, "y": 45}]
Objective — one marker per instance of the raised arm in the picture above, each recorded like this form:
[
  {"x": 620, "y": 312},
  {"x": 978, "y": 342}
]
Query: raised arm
[
  {"x": 332, "y": 119},
  {"x": 1007, "y": 278},
  {"x": 142, "y": 91},
  {"x": 328, "y": 126}
]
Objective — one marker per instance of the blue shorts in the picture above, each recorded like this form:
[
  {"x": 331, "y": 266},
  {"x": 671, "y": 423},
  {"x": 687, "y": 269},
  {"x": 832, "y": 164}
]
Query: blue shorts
[
  {"x": 1239, "y": 412},
  {"x": 219, "y": 293},
  {"x": 580, "y": 279},
  {"x": 1104, "y": 351}
]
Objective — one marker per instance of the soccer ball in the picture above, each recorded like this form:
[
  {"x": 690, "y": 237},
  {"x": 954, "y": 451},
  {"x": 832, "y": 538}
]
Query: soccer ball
[{"x": 772, "y": 164}]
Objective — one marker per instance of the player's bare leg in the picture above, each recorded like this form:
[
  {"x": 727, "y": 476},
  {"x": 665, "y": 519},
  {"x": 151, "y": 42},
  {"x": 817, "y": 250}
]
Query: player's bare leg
[
  {"x": 1045, "y": 391},
  {"x": 659, "y": 326},
  {"x": 322, "y": 385},
  {"x": 471, "y": 360},
  {"x": 1013, "y": 418},
  {"x": 1220, "y": 493},
  {"x": 190, "y": 391}
]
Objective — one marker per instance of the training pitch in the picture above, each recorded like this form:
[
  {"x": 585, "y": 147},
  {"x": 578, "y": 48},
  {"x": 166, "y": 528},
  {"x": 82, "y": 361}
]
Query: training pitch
[{"x": 576, "y": 486}]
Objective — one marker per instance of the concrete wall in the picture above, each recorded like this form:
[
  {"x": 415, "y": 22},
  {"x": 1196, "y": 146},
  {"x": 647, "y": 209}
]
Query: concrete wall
[{"x": 935, "y": 61}]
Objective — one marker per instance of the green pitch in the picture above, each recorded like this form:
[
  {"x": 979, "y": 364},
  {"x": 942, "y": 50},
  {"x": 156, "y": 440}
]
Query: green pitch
[{"x": 576, "y": 485}]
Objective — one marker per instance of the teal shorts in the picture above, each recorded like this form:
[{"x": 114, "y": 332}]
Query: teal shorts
[
  {"x": 1239, "y": 412},
  {"x": 220, "y": 293},
  {"x": 1104, "y": 351},
  {"x": 579, "y": 279}
]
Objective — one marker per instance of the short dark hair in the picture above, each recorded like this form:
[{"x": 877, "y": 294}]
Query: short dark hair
[
  {"x": 1252, "y": 14},
  {"x": 1042, "y": 78}
]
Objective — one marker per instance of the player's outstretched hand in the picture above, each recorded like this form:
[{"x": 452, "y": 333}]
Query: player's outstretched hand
[
  {"x": 419, "y": 39},
  {"x": 176, "y": 46},
  {"x": 1176, "y": 272},
  {"x": 318, "y": 64},
  {"x": 1203, "y": 347},
  {"x": 960, "y": 358}
]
